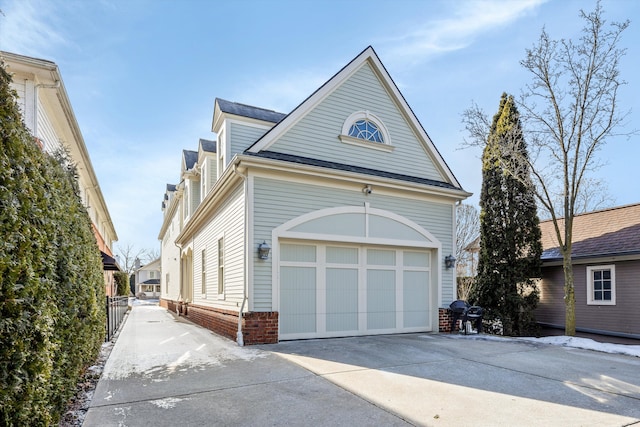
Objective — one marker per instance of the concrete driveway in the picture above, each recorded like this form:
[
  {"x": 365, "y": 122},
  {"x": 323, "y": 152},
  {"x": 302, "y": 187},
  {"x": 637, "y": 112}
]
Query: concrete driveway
[{"x": 164, "y": 370}]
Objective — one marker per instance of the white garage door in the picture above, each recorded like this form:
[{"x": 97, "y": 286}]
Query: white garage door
[{"x": 329, "y": 290}]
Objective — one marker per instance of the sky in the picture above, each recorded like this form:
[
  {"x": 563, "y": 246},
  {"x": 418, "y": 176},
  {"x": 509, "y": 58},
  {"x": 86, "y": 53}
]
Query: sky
[{"x": 142, "y": 75}]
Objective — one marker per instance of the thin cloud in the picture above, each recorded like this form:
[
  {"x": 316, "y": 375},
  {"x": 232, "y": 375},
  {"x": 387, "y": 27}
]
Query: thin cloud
[
  {"x": 470, "y": 21},
  {"x": 281, "y": 94},
  {"x": 27, "y": 28}
]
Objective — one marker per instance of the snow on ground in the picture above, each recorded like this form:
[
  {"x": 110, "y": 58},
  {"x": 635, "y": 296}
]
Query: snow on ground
[
  {"x": 588, "y": 344},
  {"x": 565, "y": 341}
]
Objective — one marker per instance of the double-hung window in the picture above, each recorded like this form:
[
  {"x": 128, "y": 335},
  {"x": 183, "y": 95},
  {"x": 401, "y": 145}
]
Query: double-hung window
[{"x": 601, "y": 285}]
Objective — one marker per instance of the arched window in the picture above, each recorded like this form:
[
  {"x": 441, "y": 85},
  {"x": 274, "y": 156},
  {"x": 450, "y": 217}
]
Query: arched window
[{"x": 365, "y": 129}]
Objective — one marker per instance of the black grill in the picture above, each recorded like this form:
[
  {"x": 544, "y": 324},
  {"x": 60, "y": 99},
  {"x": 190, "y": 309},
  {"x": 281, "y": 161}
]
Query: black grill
[{"x": 462, "y": 310}]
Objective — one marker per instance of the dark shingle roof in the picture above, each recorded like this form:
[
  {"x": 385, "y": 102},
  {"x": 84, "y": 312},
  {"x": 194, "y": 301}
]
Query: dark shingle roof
[
  {"x": 190, "y": 158},
  {"x": 607, "y": 232},
  {"x": 151, "y": 282},
  {"x": 349, "y": 168},
  {"x": 208, "y": 146},
  {"x": 249, "y": 111},
  {"x": 171, "y": 187}
]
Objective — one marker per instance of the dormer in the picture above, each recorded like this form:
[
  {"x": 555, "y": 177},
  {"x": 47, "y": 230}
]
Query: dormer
[
  {"x": 169, "y": 196},
  {"x": 238, "y": 127},
  {"x": 191, "y": 179},
  {"x": 207, "y": 165}
]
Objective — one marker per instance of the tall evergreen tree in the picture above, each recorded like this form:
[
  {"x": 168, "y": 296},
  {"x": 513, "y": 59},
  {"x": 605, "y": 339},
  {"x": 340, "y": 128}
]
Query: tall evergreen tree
[{"x": 510, "y": 247}]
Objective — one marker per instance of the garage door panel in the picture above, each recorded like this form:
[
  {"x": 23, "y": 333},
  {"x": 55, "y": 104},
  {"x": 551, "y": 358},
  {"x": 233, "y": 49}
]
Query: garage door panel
[
  {"x": 332, "y": 290},
  {"x": 298, "y": 302},
  {"x": 416, "y": 298},
  {"x": 342, "y": 299},
  {"x": 381, "y": 299}
]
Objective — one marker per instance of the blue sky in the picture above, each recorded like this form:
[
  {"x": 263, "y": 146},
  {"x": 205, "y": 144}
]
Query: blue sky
[{"x": 142, "y": 75}]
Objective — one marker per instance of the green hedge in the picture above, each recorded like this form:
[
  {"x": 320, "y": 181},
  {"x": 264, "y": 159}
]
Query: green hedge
[
  {"x": 122, "y": 282},
  {"x": 52, "y": 317}
]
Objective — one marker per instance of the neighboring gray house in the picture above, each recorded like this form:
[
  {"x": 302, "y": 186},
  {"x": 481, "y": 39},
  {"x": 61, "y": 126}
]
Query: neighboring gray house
[
  {"x": 147, "y": 279},
  {"x": 606, "y": 269},
  {"x": 332, "y": 220}
]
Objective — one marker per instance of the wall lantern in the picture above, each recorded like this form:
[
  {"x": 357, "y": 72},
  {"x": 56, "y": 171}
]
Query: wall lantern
[
  {"x": 449, "y": 261},
  {"x": 263, "y": 250}
]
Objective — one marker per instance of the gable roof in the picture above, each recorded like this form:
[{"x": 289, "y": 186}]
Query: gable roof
[
  {"x": 207, "y": 146},
  {"x": 249, "y": 111},
  {"x": 189, "y": 158},
  {"x": 607, "y": 232},
  {"x": 367, "y": 56}
]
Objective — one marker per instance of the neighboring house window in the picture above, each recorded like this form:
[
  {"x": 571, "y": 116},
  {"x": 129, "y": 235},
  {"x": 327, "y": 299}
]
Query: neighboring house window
[
  {"x": 221, "y": 266},
  {"x": 365, "y": 129},
  {"x": 601, "y": 285},
  {"x": 204, "y": 272}
]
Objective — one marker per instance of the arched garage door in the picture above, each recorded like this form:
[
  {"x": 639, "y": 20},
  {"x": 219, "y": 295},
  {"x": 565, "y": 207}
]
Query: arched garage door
[
  {"x": 330, "y": 290},
  {"x": 354, "y": 271}
]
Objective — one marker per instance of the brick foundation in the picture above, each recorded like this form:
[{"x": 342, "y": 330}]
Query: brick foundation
[
  {"x": 257, "y": 327},
  {"x": 445, "y": 316}
]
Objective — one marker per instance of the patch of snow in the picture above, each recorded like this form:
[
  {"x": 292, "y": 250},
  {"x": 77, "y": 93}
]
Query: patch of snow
[
  {"x": 168, "y": 403},
  {"x": 588, "y": 344},
  {"x": 564, "y": 341}
]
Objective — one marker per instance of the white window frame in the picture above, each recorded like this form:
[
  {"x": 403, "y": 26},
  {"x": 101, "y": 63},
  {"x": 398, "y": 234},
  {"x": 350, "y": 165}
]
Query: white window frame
[
  {"x": 366, "y": 115},
  {"x": 590, "y": 271}
]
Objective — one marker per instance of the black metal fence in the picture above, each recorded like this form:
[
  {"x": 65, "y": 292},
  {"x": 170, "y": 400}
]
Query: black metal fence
[{"x": 116, "y": 309}]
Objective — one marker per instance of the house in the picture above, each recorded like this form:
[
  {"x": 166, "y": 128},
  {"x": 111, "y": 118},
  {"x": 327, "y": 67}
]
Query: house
[
  {"x": 47, "y": 113},
  {"x": 147, "y": 279},
  {"x": 332, "y": 220},
  {"x": 606, "y": 269}
]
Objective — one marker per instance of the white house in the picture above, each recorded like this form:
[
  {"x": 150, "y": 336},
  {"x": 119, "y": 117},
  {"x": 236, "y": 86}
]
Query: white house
[
  {"x": 332, "y": 220},
  {"x": 147, "y": 279},
  {"x": 47, "y": 113}
]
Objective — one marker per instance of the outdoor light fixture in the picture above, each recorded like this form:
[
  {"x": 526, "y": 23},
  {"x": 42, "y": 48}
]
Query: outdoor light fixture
[
  {"x": 449, "y": 261},
  {"x": 263, "y": 250}
]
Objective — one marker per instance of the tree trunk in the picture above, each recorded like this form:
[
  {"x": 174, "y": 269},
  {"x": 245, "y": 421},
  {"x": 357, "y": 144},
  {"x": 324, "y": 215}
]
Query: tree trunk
[{"x": 569, "y": 298}]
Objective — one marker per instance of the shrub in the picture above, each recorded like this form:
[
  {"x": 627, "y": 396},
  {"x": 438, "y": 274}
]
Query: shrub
[
  {"x": 122, "y": 282},
  {"x": 51, "y": 282}
]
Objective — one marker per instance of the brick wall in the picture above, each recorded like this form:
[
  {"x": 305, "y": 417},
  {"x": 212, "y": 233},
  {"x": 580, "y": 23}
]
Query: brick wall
[
  {"x": 445, "y": 316},
  {"x": 260, "y": 328},
  {"x": 257, "y": 327}
]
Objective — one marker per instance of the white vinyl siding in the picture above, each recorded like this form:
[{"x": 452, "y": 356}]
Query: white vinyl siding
[
  {"x": 170, "y": 260},
  {"x": 321, "y": 128},
  {"x": 277, "y": 202},
  {"x": 47, "y": 132},
  {"x": 226, "y": 222}
]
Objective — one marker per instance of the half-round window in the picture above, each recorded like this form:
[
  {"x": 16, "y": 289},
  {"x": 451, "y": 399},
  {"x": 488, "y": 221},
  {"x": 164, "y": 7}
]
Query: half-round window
[{"x": 366, "y": 129}]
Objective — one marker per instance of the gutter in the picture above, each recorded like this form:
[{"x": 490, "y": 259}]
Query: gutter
[{"x": 239, "y": 337}]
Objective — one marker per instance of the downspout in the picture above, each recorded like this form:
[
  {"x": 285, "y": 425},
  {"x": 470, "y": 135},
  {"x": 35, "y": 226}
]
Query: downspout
[{"x": 239, "y": 337}]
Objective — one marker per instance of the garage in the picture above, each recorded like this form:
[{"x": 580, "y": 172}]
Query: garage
[{"x": 332, "y": 290}]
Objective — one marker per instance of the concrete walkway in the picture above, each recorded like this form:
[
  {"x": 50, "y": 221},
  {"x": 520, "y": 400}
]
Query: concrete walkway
[{"x": 164, "y": 370}]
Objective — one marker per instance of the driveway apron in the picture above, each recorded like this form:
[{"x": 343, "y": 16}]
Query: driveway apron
[{"x": 164, "y": 370}]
